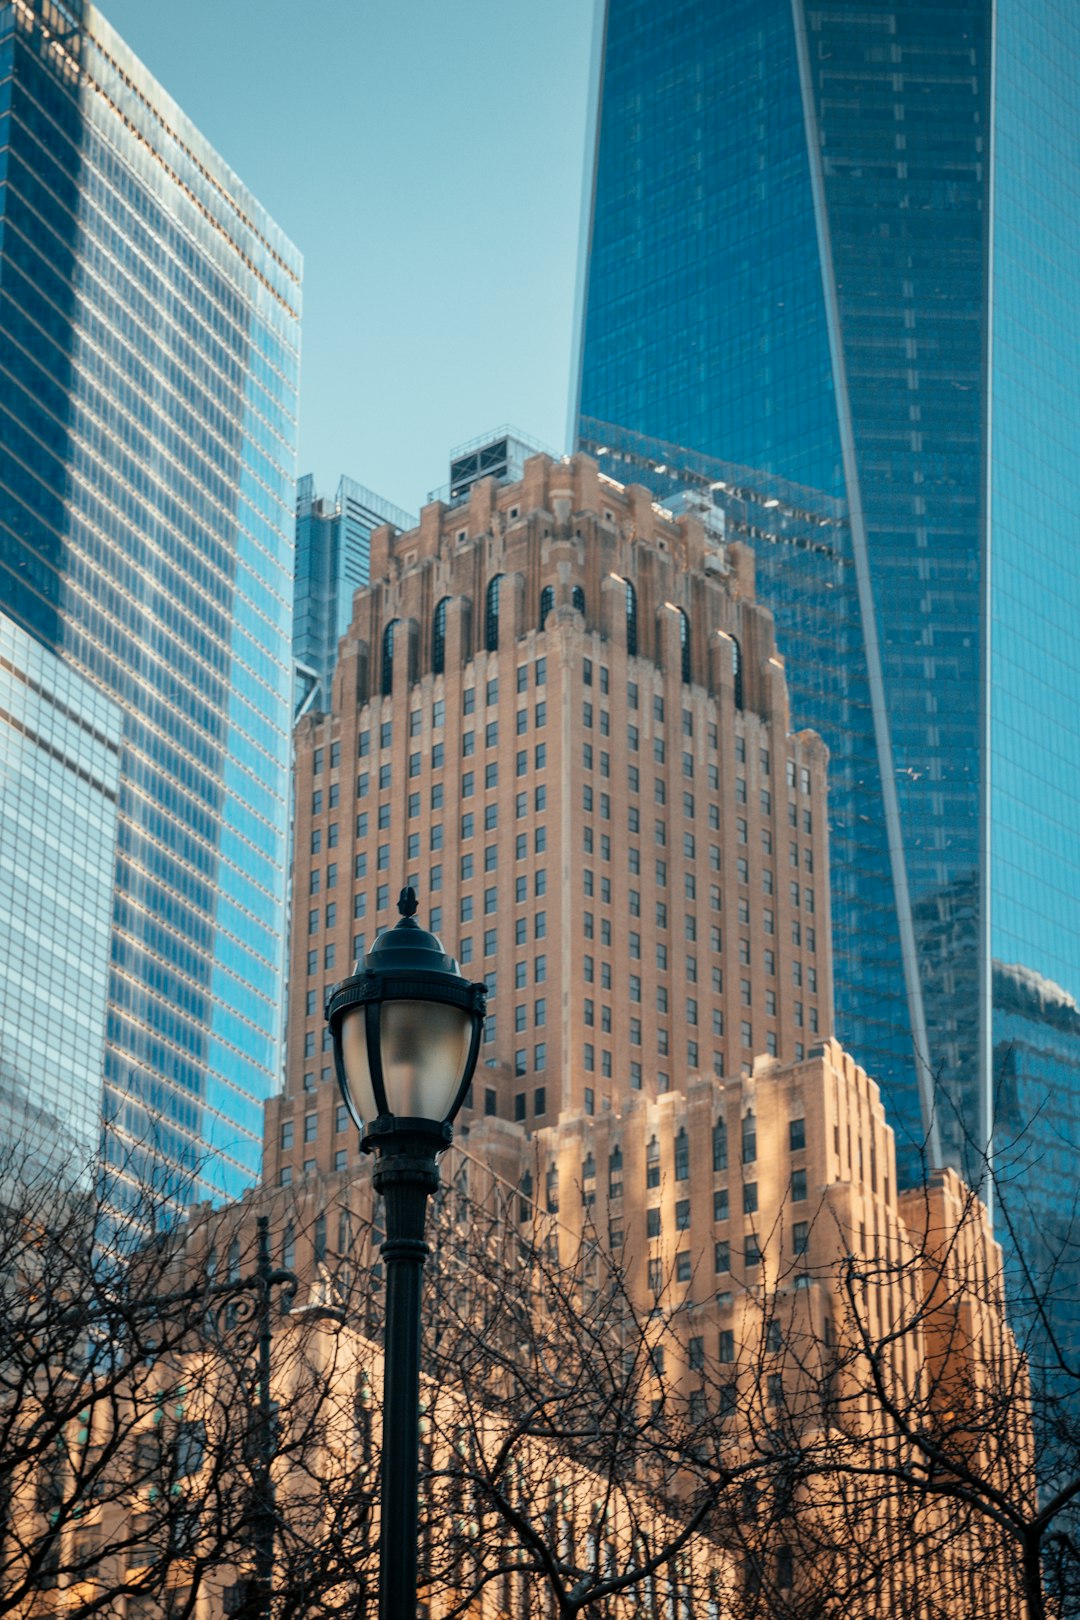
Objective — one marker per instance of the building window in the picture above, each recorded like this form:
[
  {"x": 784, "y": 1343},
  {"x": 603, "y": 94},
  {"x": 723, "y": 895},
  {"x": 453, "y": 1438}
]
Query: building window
[
  {"x": 682, "y": 1215},
  {"x": 737, "y": 671},
  {"x": 547, "y": 603},
  {"x": 684, "y": 646},
  {"x": 652, "y": 1223},
  {"x": 615, "y": 1164},
  {"x": 682, "y": 1155},
  {"x": 387, "y": 684},
  {"x": 798, "y": 1186},
  {"x": 652, "y": 1163},
  {"x": 491, "y": 614},
  {"x": 720, "y": 1146},
  {"x": 631, "y": 624}
]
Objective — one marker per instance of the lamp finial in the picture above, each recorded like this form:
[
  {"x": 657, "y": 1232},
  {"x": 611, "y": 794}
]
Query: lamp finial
[{"x": 407, "y": 904}]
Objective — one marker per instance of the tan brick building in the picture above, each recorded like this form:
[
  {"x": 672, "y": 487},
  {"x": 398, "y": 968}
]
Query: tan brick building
[
  {"x": 561, "y": 715},
  {"x": 729, "y": 1193}
]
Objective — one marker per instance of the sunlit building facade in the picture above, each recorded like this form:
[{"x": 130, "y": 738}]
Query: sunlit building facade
[
  {"x": 149, "y": 328},
  {"x": 560, "y": 715},
  {"x": 819, "y": 246}
]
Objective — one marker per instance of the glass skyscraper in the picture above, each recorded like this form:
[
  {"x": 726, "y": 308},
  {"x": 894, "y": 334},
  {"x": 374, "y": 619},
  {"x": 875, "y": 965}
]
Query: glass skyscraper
[
  {"x": 839, "y": 245},
  {"x": 60, "y": 740},
  {"x": 333, "y": 551},
  {"x": 149, "y": 331}
]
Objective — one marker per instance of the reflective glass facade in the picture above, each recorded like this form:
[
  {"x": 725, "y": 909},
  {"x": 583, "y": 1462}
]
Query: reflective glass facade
[
  {"x": 333, "y": 551},
  {"x": 60, "y": 742},
  {"x": 1033, "y": 611},
  {"x": 149, "y": 315},
  {"x": 839, "y": 245},
  {"x": 805, "y": 571}
]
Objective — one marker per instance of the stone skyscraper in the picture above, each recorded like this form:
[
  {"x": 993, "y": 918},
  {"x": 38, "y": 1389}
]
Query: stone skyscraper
[{"x": 559, "y": 712}]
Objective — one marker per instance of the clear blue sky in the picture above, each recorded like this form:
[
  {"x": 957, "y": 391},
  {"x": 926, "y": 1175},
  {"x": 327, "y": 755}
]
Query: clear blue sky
[{"x": 426, "y": 157}]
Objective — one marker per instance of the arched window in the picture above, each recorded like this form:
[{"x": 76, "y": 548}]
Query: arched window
[
  {"x": 438, "y": 638},
  {"x": 736, "y": 670},
  {"x": 719, "y": 1146},
  {"x": 388, "y": 658},
  {"x": 631, "y": 620},
  {"x": 320, "y": 1236},
  {"x": 491, "y": 615},
  {"x": 547, "y": 603},
  {"x": 684, "y": 645},
  {"x": 682, "y": 1155},
  {"x": 578, "y": 599}
]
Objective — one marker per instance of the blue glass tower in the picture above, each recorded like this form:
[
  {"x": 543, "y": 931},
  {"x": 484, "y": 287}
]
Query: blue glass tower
[
  {"x": 149, "y": 327},
  {"x": 840, "y": 246},
  {"x": 333, "y": 553},
  {"x": 60, "y": 739}
]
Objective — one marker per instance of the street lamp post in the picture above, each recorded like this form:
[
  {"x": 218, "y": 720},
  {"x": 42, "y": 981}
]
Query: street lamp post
[
  {"x": 239, "y": 1313},
  {"x": 255, "y": 1339},
  {"x": 406, "y": 1029}
]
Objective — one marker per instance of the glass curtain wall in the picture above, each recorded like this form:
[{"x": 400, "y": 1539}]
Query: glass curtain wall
[{"x": 149, "y": 320}]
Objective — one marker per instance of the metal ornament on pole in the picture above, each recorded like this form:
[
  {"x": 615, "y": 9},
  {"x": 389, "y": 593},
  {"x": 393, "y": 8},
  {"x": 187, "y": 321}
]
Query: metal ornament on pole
[{"x": 406, "y": 1029}]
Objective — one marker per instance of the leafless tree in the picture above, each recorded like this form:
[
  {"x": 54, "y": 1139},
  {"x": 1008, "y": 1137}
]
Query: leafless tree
[
  {"x": 140, "y": 1463},
  {"x": 867, "y": 1436},
  {"x": 863, "y": 1436}
]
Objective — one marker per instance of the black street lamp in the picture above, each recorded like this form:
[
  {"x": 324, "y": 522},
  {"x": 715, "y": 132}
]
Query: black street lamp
[{"x": 406, "y": 1028}]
